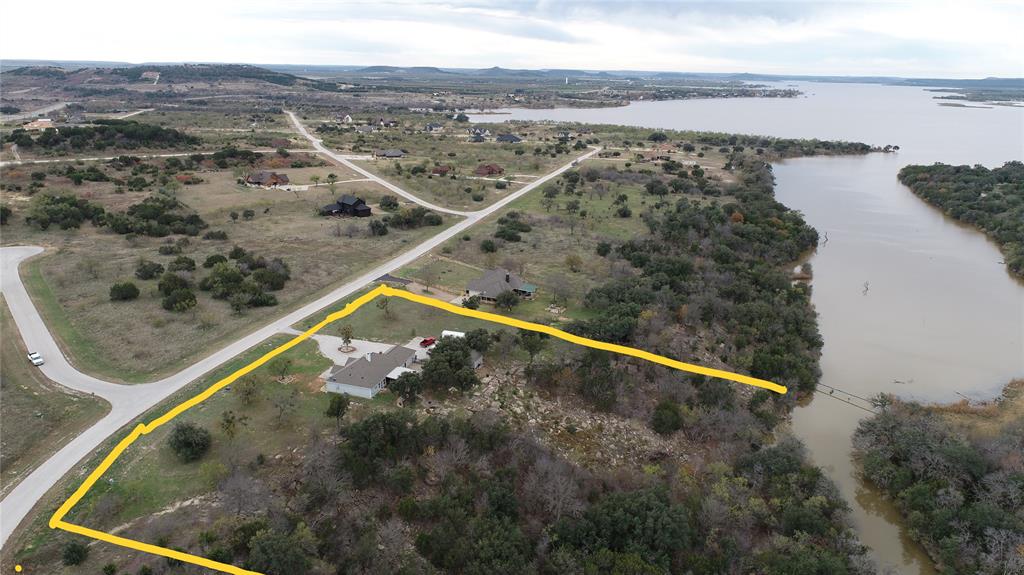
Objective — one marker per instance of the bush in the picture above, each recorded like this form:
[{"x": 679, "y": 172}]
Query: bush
[
  {"x": 74, "y": 553},
  {"x": 123, "y": 291},
  {"x": 182, "y": 264},
  {"x": 388, "y": 203},
  {"x": 179, "y": 300},
  {"x": 471, "y": 302},
  {"x": 168, "y": 250},
  {"x": 147, "y": 270},
  {"x": 488, "y": 246},
  {"x": 624, "y": 212},
  {"x": 214, "y": 260},
  {"x": 603, "y": 249},
  {"x": 215, "y": 235},
  {"x": 189, "y": 441},
  {"x": 378, "y": 228},
  {"x": 666, "y": 418}
]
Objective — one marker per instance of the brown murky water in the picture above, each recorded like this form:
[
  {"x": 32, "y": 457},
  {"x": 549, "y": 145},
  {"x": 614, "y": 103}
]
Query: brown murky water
[{"x": 909, "y": 302}]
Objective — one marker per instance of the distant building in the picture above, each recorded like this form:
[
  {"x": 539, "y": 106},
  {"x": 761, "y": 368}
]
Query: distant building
[
  {"x": 389, "y": 123},
  {"x": 367, "y": 375},
  {"x": 477, "y": 139},
  {"x": 508, "y": 139},
  {"x": 489, "y": 170},
  {"x": 365, "y": 129},
  {"x": 441, "y": 170},
  {"x": 265, "y": 179},
  {"x": 499, "y": 280},
  {"x": 347, "y": 205},
  {"x": 432, "y": 127},
  {"x": 484, "y": 132},
  {"x": 392, "y": 153},
  {"x": 39, "y": 125},
  {"x": 346, "y": 119}
]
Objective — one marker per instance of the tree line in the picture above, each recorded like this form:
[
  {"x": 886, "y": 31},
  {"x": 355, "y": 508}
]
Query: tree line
[{"x": 991, "y": 200}]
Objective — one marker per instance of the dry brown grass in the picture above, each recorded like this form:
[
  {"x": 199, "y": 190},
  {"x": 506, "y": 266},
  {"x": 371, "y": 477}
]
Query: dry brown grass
[{"x": 139, "y": 340}]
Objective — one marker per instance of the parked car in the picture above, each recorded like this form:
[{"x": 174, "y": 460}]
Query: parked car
[
  {"x": 35, "y": 358},
  {"x": 428, "y": 341}
]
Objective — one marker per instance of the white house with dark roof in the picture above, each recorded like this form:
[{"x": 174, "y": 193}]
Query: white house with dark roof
[{"x": 369, "y": 374}]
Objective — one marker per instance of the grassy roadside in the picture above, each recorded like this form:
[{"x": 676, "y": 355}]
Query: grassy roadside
[
  {"x": 37, "y": 416},
  {"x": 35, "y": 542},
  {"x": 83, "y": 352}
]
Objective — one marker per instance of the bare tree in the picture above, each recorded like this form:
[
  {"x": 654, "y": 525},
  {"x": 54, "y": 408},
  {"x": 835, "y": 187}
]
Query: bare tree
[{"x": 241, "y": 492}]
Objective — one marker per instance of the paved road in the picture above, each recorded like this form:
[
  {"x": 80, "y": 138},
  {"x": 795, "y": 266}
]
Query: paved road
[
  {"x": 128, "y": 402},
  {"x": 341, "y": 159},
  {"x": 34, "y": 113}
]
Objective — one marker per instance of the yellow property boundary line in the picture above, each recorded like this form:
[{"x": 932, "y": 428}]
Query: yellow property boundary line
[{"x": 57, "y": 521}]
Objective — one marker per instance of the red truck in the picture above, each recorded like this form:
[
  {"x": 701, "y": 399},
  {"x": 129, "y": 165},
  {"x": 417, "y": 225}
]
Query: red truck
[{"x": 428, "y": 341}]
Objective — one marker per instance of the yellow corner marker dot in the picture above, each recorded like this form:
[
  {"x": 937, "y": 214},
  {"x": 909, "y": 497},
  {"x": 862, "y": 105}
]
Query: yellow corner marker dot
[{"x": 17, "y": 568}]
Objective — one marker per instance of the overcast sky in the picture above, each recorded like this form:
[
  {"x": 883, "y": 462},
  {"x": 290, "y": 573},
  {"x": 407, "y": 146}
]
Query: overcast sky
[{"x": 926, "y": 38}]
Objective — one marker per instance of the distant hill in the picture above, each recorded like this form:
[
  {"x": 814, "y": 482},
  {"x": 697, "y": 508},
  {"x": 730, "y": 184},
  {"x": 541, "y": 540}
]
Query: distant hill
[
  {"x": 412, "y": 70},
  {"x": 220, "y": 72}
]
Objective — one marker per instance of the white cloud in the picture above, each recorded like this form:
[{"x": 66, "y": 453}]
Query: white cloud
[{"x": 907, "y": 38}]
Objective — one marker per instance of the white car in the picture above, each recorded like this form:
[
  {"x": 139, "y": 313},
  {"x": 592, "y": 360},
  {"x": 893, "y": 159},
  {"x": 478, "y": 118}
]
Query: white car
[{"x": 35, "y": 358}]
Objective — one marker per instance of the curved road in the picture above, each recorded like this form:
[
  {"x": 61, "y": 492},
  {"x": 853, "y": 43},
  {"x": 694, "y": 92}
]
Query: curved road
[{"x": 127, "y": 402}]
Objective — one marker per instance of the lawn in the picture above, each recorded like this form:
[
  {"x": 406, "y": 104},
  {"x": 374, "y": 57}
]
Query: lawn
[
  {"x": 138, "y": 340},
  {"x": 37, "y": 416},
  {"x": 523, "y": 162},
  {"x": 148, "y": 476}
]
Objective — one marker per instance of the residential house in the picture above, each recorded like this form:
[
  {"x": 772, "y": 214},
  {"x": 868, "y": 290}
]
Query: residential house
[
  {"x": 489, "y": 170},
  {"x": 389, "y": 123},
  {"x": 477, "y": 139},
  {"x": 392, "y": 153},
  {"x": 346, "y": 119},
  {"x": 40, "y": 125},
  {"x": 364, "y": 129},
  {"x": 483, "y": 132},
  {"x": 442, "y": 170},
  {"x": 265, "y": 179},
  {"x": 432, "y": 127},
  {"x": 508, "y": 139},
  {"x": 369, "y": 374},
  {"x": 497, "y": 281},
  {"x": 347, "y": 205}
]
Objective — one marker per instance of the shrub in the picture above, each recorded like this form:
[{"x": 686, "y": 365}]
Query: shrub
[
  {"x": 123, "y": 291},
  {"x": 189, "y": 441},
  {"x": 214, "y": 260},
  {"x": 215, "y": 235},
  {"x": 666, "y": 418},
  {"x": 603, "y": 249},
  {"x": 388, "y": 203},
  {"x": 74, "y": 553},
  {"x": 624, "y": 212},
  {"x": 488, "y": 246},
  {"x": 378, "y": 228},
  {"x": 182, "y": 264},
  {"x": 471, "y": 302},
  {"x": 179, "y": 300},
  {"x": 168, "y": 250},
  {"x": 147, "y": 270},
  {"x": 501, "y": 184}
]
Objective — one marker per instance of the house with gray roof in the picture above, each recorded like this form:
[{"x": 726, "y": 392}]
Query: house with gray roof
[
  {"x": 496, "y": 281},
  {"x": 392, "y": 153},
  {"x": 369, "y": 374}
]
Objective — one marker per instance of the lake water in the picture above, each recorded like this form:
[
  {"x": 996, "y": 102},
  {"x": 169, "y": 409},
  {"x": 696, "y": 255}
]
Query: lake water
[{"x": 941, "y": 318}]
